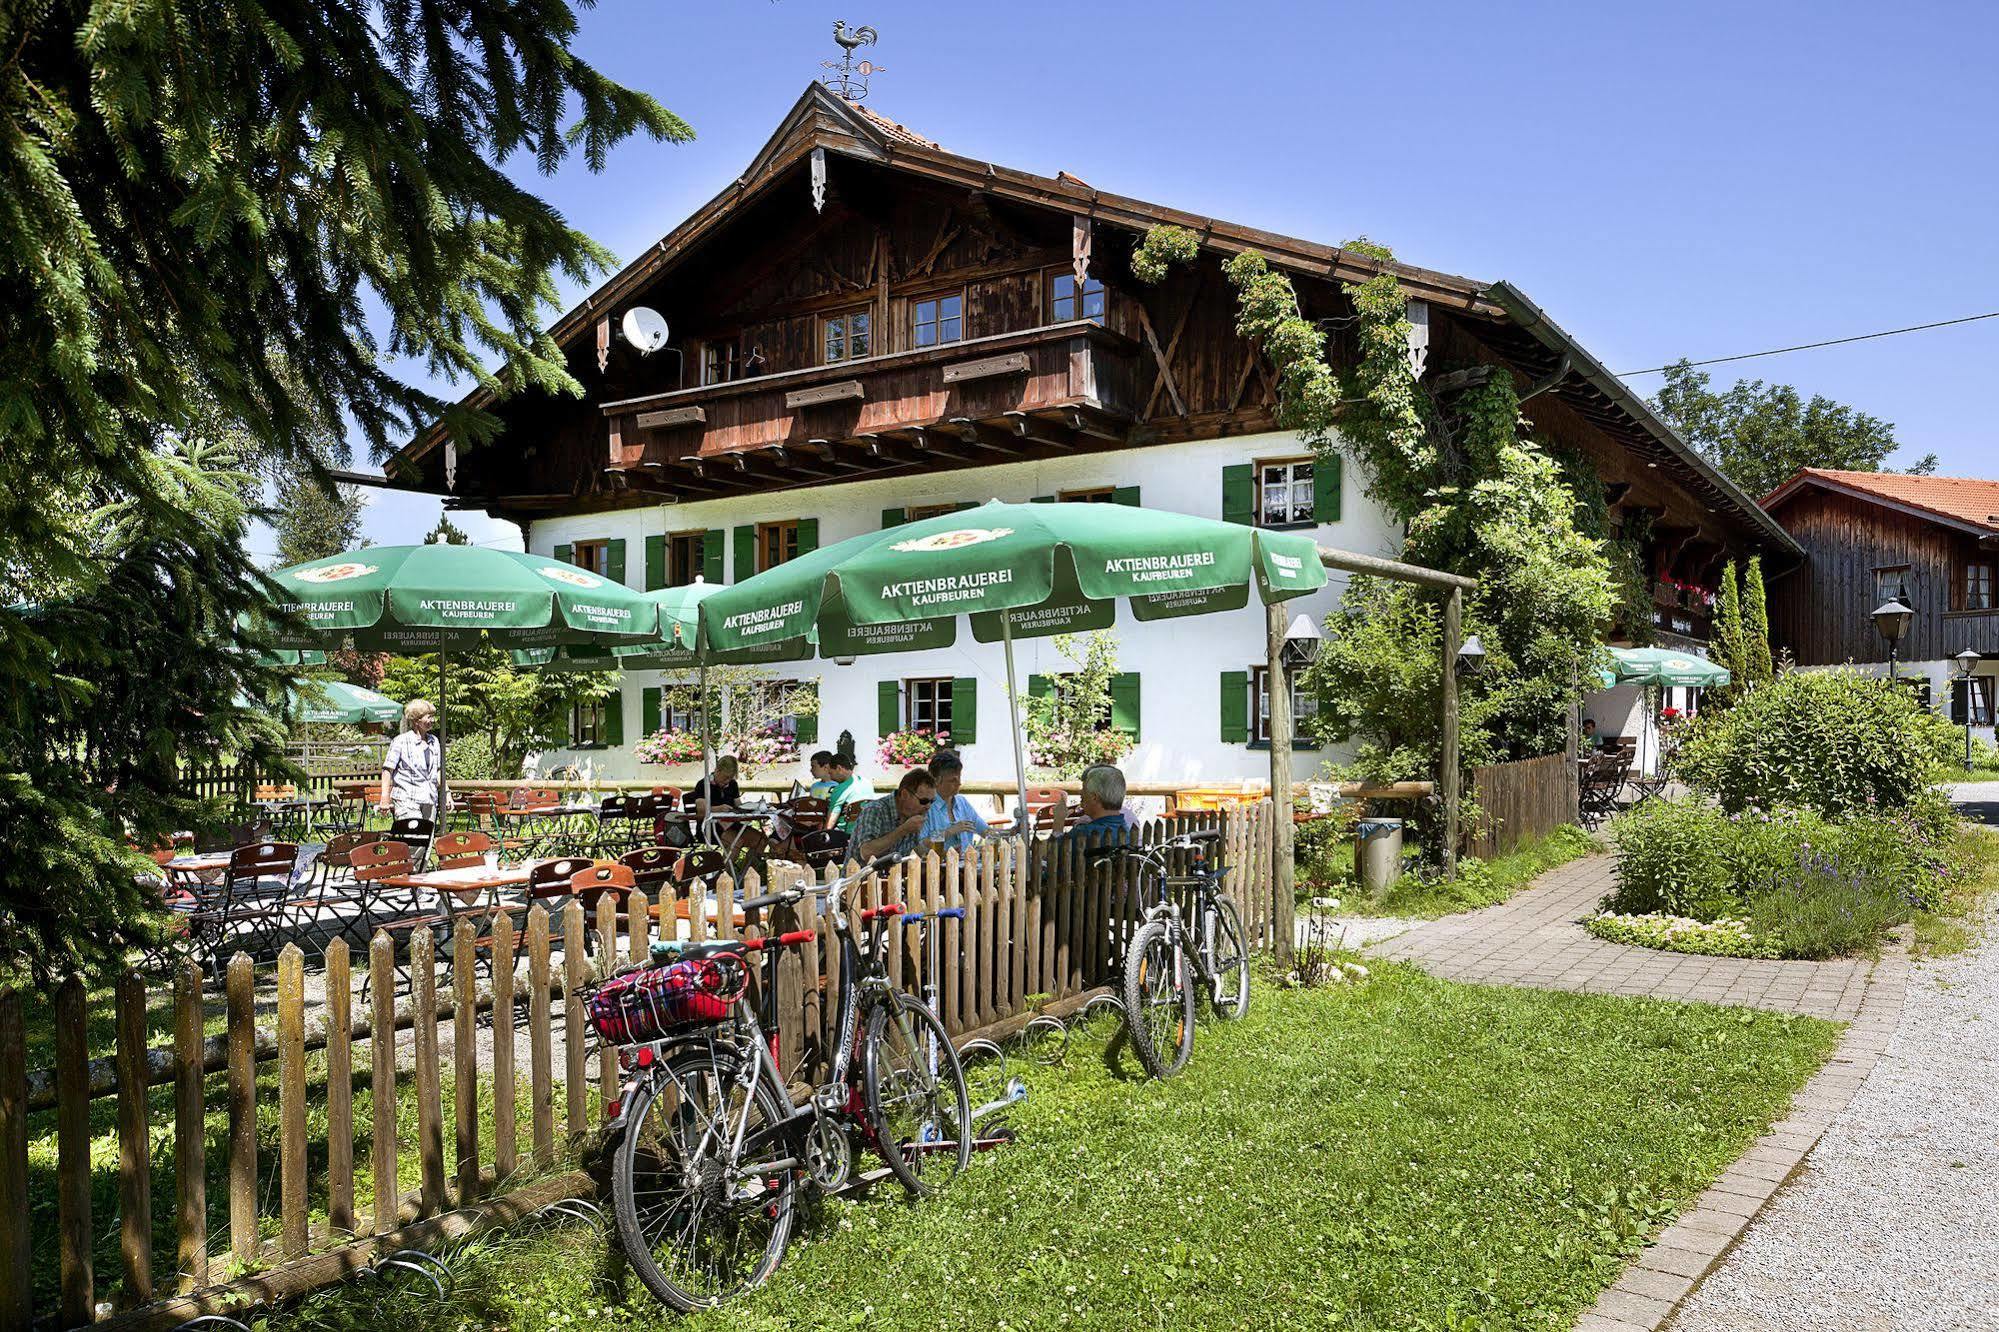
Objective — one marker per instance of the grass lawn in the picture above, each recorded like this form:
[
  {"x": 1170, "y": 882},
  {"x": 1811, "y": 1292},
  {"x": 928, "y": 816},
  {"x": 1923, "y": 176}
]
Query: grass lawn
[
  {"x": 1479, "y": 883},
  {"x": 1953, "y": 926},
  {"x": 1406, "y": 1153}
]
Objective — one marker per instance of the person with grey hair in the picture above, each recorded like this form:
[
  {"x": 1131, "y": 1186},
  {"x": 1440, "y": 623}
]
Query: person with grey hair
[
  {"x": 409, "y": 768},
  {"x": 951, "y": 822},
  {"x": 1102, "y": 806}
]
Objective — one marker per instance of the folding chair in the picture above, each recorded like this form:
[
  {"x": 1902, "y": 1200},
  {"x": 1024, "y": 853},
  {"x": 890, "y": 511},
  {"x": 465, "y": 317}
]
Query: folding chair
[
  {"x": 825, "y": 846},
  {"x": 332, "y": 886},
  {"x": 651, "y": 867},
  {"x": 460, "y": 850},
  {"x": 414, "y": 832},
  {"x": 254, "y": 890}
]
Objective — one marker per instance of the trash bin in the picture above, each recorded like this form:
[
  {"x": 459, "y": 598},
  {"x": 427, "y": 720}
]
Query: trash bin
[{"x": 1377, "y": 854}]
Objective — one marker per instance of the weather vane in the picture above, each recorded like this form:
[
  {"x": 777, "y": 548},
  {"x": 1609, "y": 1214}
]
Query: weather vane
[{"x": 848, "y": 79}]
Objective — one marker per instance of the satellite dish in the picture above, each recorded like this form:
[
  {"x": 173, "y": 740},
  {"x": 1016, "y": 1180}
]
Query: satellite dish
[{"x": 645, "y": 329}]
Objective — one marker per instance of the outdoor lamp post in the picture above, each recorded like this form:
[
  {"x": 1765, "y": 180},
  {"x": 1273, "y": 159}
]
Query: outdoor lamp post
[
  {"x": 1471, "y": 657},
  {"x": 1302, "y": 641},
  {"x": 1892, "y": 618},
  {"x": 1967, "y": 662}
]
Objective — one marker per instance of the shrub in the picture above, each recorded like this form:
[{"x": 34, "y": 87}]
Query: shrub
[
  {"x": 1670, "y": 858},
  {"x": 1836, "y": 742},
  {"x": 669, "y": 747},
  {"x": 1824, "y": 907},
  {"x": 1725, "y": 937},
  {"x": 469, "y": 758},
  {"x": 911, "y": 749}
]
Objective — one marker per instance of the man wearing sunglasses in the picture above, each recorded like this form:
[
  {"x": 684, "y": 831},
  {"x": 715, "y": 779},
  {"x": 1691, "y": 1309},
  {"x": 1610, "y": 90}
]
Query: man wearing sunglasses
[{"x": 893, "y": 824}]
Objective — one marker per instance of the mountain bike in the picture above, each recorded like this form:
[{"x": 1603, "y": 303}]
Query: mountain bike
[
  {"x": 710, "y": 1146},
  {"x": 1171, "y": 951}
]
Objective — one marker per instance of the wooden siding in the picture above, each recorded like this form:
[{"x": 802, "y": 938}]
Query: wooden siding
[{"x": 1823, "y": 613}]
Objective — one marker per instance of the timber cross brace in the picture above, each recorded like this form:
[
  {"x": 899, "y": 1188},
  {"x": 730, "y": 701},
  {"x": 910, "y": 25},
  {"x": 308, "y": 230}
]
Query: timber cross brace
[{"x": 1454, "y": 587}]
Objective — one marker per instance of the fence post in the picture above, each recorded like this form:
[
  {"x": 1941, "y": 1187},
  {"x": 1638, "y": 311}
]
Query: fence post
[
  {"x": 291, "y": 1101},
  {"x": 135, "y": 1157},
  {"x": 73, "y": 1154},
  {"x": 506, "y": 1102},
  {"x": 465, "y": 1057},
  {"x": 541, "y": 1053},
  {"x": 382, "y": 1087},
  {"x": 190, "y": 1129},
  {"x": 607, "y": 962},
  {"x": 575, "y": 970},
  {"x": 429, "y": 1097},
  {"x": 339, "y": 1089},
  {"x": 16, "y": 1277},
  {"x": 240, "y": 983}
]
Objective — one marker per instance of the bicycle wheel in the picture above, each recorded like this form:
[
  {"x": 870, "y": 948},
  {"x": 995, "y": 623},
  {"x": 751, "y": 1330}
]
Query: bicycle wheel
[
  {"x": 1228, "y": 984},
  {"x": 918, "y": 1107},
  {"x": 1158, "y": 1001},
  {"x": 697, "y": 1224}
]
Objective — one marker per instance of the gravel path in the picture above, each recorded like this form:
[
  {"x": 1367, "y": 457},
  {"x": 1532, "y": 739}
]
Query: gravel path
[{"x": 1894, "y": 1221}]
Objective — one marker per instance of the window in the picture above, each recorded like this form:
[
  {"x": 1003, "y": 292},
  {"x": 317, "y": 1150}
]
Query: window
[
  {"x": 586, "y": 722},
  {"x": 846, "y": 336},
  {"x": 591, "y": 556},
  {"x": 1285, "y": 493},
  {"x": 1303, "y": 705},
  {"x": 1094, "y": 495},
  {"x": 937, "y": 319},
  {"x": 1891, "y": 584},
  {"x": 1978, "y": 587},
  {"x": 718, "y": 361},
  {"x": 776, "y": 543},
  {"x": 919, "y": 511},
  {"x": 678, "y": 711},
  {"x": 686, "y": 557},
  {"x": 1063, "y": 303},
  {"x": 1979, "y": 691},
  {"x": 926, "y": 704}
]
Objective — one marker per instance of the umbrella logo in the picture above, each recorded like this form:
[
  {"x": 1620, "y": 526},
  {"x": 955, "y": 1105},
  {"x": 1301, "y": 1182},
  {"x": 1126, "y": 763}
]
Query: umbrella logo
[
  {"x": 1679, "y": 664},
  {"x": 964, "y": 536},
  {"x": 334, "y": 573},
  {"x": 574, "y": 577}
]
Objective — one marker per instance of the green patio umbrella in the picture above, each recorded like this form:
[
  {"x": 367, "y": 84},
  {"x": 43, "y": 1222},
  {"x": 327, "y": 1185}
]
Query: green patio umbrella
[
  {"x": 1662, "y": 666},
  {"x": 433, "y": 598},
  {"x": 338, "y": 701},
  {"x": 1018, "y": 570}
]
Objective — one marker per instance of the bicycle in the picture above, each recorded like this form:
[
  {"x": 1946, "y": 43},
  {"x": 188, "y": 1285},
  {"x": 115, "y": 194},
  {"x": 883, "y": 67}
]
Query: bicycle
[
  {"x": 1165, "y": 957},
  {"x": 710, "y": 1146}
]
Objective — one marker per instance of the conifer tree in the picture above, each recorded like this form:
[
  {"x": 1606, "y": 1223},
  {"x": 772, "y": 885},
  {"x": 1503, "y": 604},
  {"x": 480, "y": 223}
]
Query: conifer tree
[
  {"x": 1728, "y": 640},
  {"x": 1758, "y": 664}
]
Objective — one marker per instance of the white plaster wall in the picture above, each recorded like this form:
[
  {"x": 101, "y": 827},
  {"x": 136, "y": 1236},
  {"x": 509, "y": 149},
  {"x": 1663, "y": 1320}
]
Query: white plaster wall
[{"x": 1179, "y": 662}]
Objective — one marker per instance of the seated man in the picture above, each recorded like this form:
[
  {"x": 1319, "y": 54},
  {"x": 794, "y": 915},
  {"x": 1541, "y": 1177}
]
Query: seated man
[
  {"x": 849, "y": 791},
  {"x": 893, "y": 824},
  {"x": 1591, "y": 740},
  {"x": 721, "y": 792},
  {"x": 952, "y": 821},
  {"x": 1104, "y": 816}
]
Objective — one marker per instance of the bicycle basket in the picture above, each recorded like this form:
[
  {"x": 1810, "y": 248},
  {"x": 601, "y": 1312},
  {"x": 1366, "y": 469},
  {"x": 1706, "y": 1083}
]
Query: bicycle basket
[{"x": 645, "y": 1005}]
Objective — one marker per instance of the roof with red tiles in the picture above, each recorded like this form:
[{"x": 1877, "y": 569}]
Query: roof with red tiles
[
  {"x": 893, "y": 128},
  {"x": 1966, "y": 500}
]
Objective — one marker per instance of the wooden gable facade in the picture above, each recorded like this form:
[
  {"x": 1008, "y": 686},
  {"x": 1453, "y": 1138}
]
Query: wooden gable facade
[{"x": 862, "y": 303}]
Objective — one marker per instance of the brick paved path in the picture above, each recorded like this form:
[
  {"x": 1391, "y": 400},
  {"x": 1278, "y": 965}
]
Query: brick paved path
[{"x": 1535, "y": 938}]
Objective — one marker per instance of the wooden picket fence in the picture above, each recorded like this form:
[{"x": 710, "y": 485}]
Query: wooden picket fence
[
  {"x": 1042, "y": 931},
  {"x": 1519, "y": 801}
]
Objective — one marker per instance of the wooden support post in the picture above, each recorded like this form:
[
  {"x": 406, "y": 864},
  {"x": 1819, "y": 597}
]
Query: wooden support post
[
  {"x": 339, "y": 1089},
  {"x": 190, "y": 1131},
  {"x": 78, "y": 1292},
  {"x": 382, "y": 1163},
  {"x": 1283, "y": 870},
  {"x": 240, "y": 985},
  {"x": 292, "y": 1219},
  {"x": 1447, "y": 779},
  {"x": 135, "y": 1157},
  {"x": 17, "y": 1306}
]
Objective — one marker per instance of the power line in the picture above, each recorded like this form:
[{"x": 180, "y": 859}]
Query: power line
[{"x": 1809, "y": 346}]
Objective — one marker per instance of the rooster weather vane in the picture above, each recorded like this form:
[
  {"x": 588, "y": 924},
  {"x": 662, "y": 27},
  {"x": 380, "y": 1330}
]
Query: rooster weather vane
[{"x": 848, "y": 79}]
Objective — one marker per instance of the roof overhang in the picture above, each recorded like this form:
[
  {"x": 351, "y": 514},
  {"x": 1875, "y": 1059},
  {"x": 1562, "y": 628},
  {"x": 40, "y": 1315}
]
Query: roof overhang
[
  {"x": 1534, "y": 321},
  {"x": 1790, "y": 490}
]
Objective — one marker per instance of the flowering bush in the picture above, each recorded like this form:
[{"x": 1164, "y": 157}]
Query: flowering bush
[
  {"x": 669, "y": 747},
  {"x": 1072, "y": 751},
  {"x": 766, "y": 747},
  {"x": 911, "y": 749},
  {"x": 1726, "y": 936}
]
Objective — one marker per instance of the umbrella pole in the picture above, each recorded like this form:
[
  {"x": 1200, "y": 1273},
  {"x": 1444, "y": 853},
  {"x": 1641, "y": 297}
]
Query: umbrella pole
[
  {"x": 1013, "y": 708},
  {"x": 707, "y": 739},
  {"x": 441, "y": 740}
]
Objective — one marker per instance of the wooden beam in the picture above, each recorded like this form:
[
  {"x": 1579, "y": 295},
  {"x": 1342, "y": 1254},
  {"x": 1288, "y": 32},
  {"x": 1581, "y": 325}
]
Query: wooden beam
[
  {"x": 1037, "y": 431},
  {"x": 1172, "y": 346},
  {"x": 846, "y": 390},
  {"x": 1159, "y": 359},
  {"x": 1283, "y": 868},
  {"x": 989, "y": 367},
  {"x": 1447, "y": 777},
  {"x": 925, "y": 440},
  {"x": 1456, "y": 380},
  {"x": 1084, "y": 422},
  {"x": 674, "y": 416},
  {"x": 1374, "y": 565},
  {"x": 988, "y": 437}
]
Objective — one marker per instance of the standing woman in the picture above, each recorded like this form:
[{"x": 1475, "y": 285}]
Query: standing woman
[{"x": 409, "y": 769}]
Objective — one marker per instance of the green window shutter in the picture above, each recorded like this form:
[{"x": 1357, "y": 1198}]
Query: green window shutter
[
  {"x": 888, "y": 707},
  {"x": 894, "y": 517},
  {"x": 808, "y": 727},
  {"x": 964, "y": 710},
  {"x": 614, "y": 719},
  {"x": 808, "y": 535},
  {"x": 963, "y": 505},
  {"x": 1239, "y": 494},
  {"x": 1126, "y": 495},
  {"x": 1235, "y": 707},
  {"x": 1124, "y": 703},
  {"x": 614, "y": 560},
  {"x": 746, "y": 552},
  {"x": 655, "y": 563},
  {"x": 564, "y": 552},
  {"x": 1039, "y": 687},
  {"x": 711, "y": 557},
  {"x": 1326, "y": 488},
  {"x": 649, "y": 711},
  {"x": 1042, "y": 499}
]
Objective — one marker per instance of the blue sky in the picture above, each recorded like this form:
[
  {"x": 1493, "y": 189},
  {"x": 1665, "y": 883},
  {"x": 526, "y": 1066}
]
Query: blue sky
[{"x": 1666, "y": 180}]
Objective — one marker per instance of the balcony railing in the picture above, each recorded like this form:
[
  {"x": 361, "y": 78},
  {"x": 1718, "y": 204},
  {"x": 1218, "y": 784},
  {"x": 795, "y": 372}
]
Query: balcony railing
[{"x": 1033, "y": 393}]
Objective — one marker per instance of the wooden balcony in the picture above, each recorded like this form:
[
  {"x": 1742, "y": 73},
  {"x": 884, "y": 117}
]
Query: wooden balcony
[{"x": 1059, "y": 389}]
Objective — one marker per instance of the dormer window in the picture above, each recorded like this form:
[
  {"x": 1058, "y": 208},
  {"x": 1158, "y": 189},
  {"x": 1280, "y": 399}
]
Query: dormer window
[
  {"x": 936, "y": 320},
  {"x": 846, "y": 336},
  {"x": 1066, "y": 301}
]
